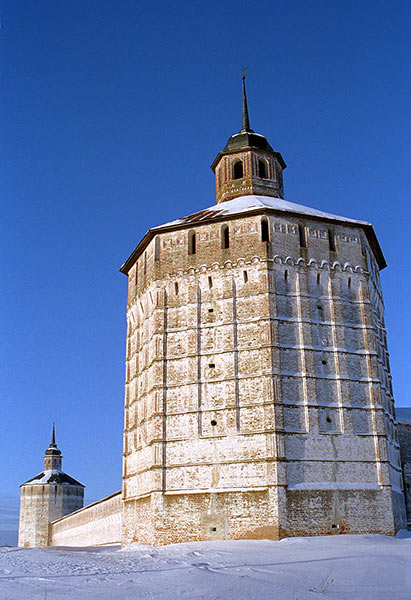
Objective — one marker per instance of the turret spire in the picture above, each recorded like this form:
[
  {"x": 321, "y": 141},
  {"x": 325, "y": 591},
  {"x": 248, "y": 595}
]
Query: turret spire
[
  {"x": 246, "y": 120},
  {"x": 53, "y": 436}
]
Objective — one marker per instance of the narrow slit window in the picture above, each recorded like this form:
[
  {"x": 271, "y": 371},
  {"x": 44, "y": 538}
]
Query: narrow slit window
[
  {"x": 264, "y": 231},
  {"x": 192, "y": 242},
  {"x": 245, "y": 275},
  {"x": 262, "y": 169},
  {"x": 225, "y": 237},
  {"x": 212, "y": 366},
  {"x": 349, "y": 282},
  {"x": 331, "y": 240},
  {"x": 286, "y": 275},
  {"x": 157, "y": 248},
  {"x": 210, "y": 282},
  {"x": 318, "y": 279},
  {"x": 176, "y": 288},
  {"x": 302, "y": 235},
  {"x": 238, "y": 170}
]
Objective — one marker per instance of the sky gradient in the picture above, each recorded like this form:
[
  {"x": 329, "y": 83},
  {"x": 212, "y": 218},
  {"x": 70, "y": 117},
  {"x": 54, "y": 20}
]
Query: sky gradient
[{"x": 111, "y": 115}]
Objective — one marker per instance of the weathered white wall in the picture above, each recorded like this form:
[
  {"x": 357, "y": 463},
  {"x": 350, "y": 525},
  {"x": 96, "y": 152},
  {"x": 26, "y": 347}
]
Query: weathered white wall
[{"x": 94, "y": 525}]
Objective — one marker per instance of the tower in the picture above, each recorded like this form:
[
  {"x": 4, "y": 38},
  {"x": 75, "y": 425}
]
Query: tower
[
  {"x": 46, "y": 497},
  {"x": 258, "y": 398}
]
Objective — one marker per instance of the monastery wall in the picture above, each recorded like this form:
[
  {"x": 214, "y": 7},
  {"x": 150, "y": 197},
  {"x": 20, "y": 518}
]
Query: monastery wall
[
  {"x": 95, "y": 525},
  {"x": 258, "y": 393}
]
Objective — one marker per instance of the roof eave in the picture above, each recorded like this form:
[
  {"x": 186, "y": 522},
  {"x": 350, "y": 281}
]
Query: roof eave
[{"x": 226, "y": 153}]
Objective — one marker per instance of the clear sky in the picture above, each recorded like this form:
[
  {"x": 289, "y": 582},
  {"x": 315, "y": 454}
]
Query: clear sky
[{"x": 112, "y": 112}]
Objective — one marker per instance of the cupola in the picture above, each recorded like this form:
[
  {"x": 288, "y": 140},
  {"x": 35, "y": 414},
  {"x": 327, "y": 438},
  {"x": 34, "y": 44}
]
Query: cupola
[
  {"x": 52, "y": 456},
  {"x": 248, "y": 165}
]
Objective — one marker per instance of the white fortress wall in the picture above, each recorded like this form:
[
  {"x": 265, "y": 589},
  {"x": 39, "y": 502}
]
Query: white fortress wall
[{"x": 95, "y": 525}]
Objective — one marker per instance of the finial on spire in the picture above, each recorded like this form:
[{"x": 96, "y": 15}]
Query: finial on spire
[
  {"x": 53, "y": 436},
  {"x": 246, "y": 121}
]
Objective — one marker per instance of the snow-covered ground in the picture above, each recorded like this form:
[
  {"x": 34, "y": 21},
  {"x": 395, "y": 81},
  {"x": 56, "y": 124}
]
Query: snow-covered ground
[{"x": 353, "y": 567}]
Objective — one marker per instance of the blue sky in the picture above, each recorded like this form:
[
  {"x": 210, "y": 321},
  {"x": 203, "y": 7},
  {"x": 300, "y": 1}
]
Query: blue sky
[{"x": 111, "y": 115}]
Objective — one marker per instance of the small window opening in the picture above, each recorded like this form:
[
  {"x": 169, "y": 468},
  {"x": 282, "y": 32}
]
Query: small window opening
[
  {"x": 262, "y": 169},
  {"x": 213, "y": 423},
  {"x": 264, "y": 231},
  {"x": 238, "y": 170},
  {"x": 210, "y": 310},
  {"x": 303, "y": 239},
  {"x": 318, "y": 279},
  {"x": 213, "y": 529},
  {"x": 328, "y": 420},
  {"x": 331, "y": 240},
  {"x": 324, "y": 362},
  {"x": 319, "y": 307},
  {"x": 349, "y": 282},
  {"x": 334, "y": 526},
  {"x": 225, "y": 237},
  {"x": 245, "y": 275},
  {"x": 192, "y": 242},
  {"x": 212, "y": 366},
  {"x": 286, "y": 274},
  {"x": 157, "y": 248},
  {"x": 210, "y": 282},
  {"x": 176, "y": 288}
]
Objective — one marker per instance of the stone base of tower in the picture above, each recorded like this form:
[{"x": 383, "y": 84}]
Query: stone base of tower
[{"x": 171, "y": 518}]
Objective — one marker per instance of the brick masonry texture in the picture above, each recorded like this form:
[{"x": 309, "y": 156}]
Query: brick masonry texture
[{"x": 258, "y": 389}]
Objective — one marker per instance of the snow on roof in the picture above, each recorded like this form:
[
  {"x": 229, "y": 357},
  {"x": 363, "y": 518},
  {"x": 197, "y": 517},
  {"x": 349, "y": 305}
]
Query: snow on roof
[
  {"x": 252, "y": 203},
  {"x": 53, "y": 476}
]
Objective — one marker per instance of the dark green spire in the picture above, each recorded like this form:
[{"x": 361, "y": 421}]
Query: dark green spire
[
  {"x": 53, "y": 436},
  {"x": 246, "y": 120}
]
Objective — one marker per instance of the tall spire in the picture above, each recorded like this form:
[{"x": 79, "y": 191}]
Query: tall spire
[
  {"x": 246, "y": 121},
  {"x": 53, "y": 436}
]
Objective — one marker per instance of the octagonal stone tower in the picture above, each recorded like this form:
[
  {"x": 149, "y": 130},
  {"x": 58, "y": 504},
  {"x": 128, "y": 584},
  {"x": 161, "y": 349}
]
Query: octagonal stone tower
[
  {"x": 46, "y": 497},
  {"x": 258, "y": 398}
]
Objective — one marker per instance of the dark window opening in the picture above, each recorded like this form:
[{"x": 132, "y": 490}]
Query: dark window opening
[
  {"x": 349, "y": 282},
  {"x": 303, "y": 238},
  {"x": 324, "y": 362},
  {"x": 225, "y": 237},
  {"x": 192, "y": 243},
  {"x": 318, "y": 279},
  {"x": 328, "y": 420},
  {"x": 331, "y": 240},
  {"x": 210, "y": 282},
  {"x": 176, "y": 288},
  {"x": 264, "y": 231},
  {"x": 245, "y": 275},
  {"x": 213, "y": 528},
  {"x": 238, "y": 170},
  {"x": 286, "y": 274},
  {"x": 262, "y": 169},
  {"x": 213, "y": 423},
  {"x": 210, "y": 310},
  {"x": 212, "y": 366},
  {"x": 319, "y": 307}
]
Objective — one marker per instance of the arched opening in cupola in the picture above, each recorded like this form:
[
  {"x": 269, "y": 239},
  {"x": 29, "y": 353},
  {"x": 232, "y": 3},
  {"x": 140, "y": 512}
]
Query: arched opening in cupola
[
  {"x": 225, "y": 237},
  {"x": 238, "y": 170},
  {"x": 265, "y": 237},
  {"x": 262, "y": 169},
  {"x": 192, "y": 242}
]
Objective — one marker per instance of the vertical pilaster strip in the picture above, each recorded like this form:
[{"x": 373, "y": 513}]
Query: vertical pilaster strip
[
  {"x": 235, "y": 342},
  {"x": 302, "y": 349},
  {"x": 332, "y": 282},
  {"x": 165, "y": 325},
  {"x": 363, "y": 297},
  {"x": 199, "y": 374}
]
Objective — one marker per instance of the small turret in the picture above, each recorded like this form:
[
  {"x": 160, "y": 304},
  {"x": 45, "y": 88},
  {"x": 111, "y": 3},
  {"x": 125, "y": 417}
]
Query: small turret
[
  {"x": 248, "y": 165},
  {"x": 46, "y": 497},
  {"x": 52, "y": 456}
]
